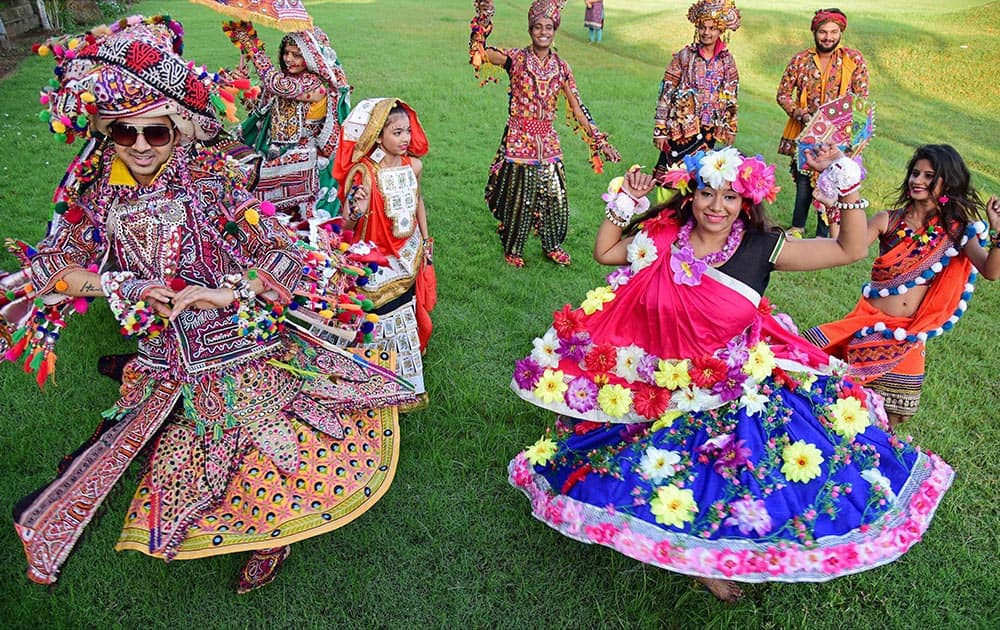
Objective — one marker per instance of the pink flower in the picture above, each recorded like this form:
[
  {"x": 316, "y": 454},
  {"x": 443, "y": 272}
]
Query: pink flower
[
  {"x": 731, "y": 563},
  {"x": 687, "y": 269},
  {"x": 573, "y": 516},
  {"x": 554, "y": 511},
  {"x": 601, "y": 534},
  {"x": 574, "y": 347},
  {"x": 581, "y": 394},
  {"x": 521, "y": 473},
  {"x": 749, "y": 515},
  {"x": 755, "y": 180},
  {"x": 774, "y": 560},
  {"x": 662, "y": 552},
  {"x": 840, "y": 559},
  {"x": 526, "y": 373},
  {"x": 634, "y": 545}
]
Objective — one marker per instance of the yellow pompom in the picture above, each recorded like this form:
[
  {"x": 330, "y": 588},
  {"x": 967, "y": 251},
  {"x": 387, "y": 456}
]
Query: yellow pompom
[
  {"x": 87, "y": 97},
  {"x": 73, "y": 43},
  {"x": 252, "y": 216},
  {"x": 61, "y": 286},
  {"x": 326, "y": 313},
  {"x": 43, "y": 50},
  {"x": 58, "y": 127},
  {"x": 372, "y": 317},
  {"x": 344, "y": 247},
  {"x": 615, "y": 185}
]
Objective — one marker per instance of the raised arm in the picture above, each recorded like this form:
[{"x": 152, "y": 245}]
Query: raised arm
[
  {"x": 609, "y": 247},
  {"x": 851, "y": 244},
  {"x": 987, "y": 261}
]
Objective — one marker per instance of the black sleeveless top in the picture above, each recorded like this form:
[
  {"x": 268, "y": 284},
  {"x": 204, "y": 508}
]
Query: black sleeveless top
[{"x": 754, "y": 259}]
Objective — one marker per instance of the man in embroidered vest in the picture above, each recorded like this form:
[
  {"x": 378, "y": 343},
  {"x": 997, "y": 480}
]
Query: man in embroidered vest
[
  {"x": 247, "y": 449},
  {"x": 813, "y": 77}
]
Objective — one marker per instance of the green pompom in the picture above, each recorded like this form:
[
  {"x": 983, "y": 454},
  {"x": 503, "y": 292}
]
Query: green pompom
[
  {"x": 61, "y": 207},
  {"x": 45, "y": 115}
]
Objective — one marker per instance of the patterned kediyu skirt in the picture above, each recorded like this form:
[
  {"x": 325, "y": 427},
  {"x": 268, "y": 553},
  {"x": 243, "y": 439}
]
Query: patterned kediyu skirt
[
  {"x": 527, "y": 198},
  {"x": 720, "y": 494}
]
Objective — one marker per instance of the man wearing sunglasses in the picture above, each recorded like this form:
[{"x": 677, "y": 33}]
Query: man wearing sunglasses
[
  {"x": 143, "y": 144},
  {"x": 221, "y": 396}
]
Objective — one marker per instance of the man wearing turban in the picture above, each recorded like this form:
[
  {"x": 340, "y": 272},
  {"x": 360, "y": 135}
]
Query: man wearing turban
[{"x": 815, "y": 76}]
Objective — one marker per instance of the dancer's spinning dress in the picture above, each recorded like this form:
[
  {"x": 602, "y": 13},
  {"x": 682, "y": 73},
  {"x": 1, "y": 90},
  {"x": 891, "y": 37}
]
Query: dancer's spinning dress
[{"x": 698, "y": 434}]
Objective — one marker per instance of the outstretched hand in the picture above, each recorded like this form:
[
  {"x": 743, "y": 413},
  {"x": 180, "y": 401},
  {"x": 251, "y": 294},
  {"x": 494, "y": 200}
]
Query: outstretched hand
[
  {"x": 823, "y": 156},
  {"x": 610, "y": 153},
  {"x": 637, "y": 183}
]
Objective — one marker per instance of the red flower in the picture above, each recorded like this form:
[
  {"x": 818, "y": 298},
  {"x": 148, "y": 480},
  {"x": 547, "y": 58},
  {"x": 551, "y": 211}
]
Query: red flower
[
  {"x": 707, "y": 371},
  {"x": 584, "y": 427},
  {"x": 567, "y": 322},
  {"x": 575, "y": 477},
  {"x": 853, "y": 390},
  {"x": 782, "y": 379},
  {"x": 650, "y": 401},
  {"x": 602, "y": 358},
  {"x": 765, "y": 307}
]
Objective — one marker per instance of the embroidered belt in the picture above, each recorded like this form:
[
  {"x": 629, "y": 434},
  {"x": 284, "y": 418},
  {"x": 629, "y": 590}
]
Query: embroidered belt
[{"x": 535, "y": 126}]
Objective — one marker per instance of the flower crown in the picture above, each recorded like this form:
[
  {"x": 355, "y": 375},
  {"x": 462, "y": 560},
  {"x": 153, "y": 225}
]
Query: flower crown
[{"x": 750, "y": 177}]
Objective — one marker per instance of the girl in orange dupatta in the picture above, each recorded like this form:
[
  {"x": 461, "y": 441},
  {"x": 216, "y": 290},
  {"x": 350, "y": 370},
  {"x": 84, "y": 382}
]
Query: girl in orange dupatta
[
  {"x": 378, "y": 170},
  {"x": 929, "y": 252}
]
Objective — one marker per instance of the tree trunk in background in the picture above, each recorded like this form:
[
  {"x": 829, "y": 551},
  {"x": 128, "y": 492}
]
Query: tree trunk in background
[
  {"x": 4, "y": 44},
  {"x": 43, "y": 15}
]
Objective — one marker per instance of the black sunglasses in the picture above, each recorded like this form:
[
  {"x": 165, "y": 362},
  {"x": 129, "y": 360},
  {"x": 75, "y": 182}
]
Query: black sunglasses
[{"x": 155, "y": 135}]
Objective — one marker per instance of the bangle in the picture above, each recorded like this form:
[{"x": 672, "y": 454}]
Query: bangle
[
  {"x": 995, "y": 238},
  {"x": 861, "y": 204},
  {"x": 623, "y": 206}
]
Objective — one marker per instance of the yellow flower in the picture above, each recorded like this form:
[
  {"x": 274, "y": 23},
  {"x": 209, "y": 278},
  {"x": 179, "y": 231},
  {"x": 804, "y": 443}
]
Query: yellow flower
[
  {"x": 672, "y": 375},
  {"x": 666, "y": 419},
  {"x": 596, "y": 299},
  {"x": 615, "y": 400},
  {"x": 541, "y": 451},
  {"x": 806, "y": 380},
  {"x": 849, "y": 417},
  {"x": 551, "y": 387},
  {"x": 802, "y": 461},
  {"x": 760, "y": 364},
  {"x": 673, "y": 506}
]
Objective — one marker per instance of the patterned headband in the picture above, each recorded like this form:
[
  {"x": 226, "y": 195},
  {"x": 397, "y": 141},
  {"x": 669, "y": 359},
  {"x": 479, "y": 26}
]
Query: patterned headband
[{"x": 825, "y": 15}]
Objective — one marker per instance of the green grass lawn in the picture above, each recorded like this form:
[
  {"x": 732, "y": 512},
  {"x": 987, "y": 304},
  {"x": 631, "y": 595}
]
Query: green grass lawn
[{"x": 452, "y": 544}]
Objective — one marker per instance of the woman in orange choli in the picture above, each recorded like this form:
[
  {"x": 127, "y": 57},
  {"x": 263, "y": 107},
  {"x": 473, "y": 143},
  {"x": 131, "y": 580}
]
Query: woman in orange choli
[{"x": 378, "y": 174}]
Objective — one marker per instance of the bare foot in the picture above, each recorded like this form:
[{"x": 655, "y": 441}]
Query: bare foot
[
  {"x": 895, "y": 420},
  {"x": 726, "y": 590}
]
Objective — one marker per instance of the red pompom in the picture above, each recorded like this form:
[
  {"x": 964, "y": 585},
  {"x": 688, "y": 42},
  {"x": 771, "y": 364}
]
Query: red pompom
[{"x": 177, "y": 284}]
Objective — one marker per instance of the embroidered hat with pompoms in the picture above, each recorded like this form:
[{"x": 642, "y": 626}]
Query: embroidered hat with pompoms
[
  {"x": 551, "y": 9},
  {"x": 723, "y": 12},
  {"x": 129, "y": 68}
]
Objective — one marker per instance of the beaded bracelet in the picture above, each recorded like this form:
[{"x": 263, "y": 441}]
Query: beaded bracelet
[
  {"x": 135, "y": 317},
  {"x": 995, "y": 238},
  {"x": 622, "y": 207},
  {"x": 860, "y": 204}
]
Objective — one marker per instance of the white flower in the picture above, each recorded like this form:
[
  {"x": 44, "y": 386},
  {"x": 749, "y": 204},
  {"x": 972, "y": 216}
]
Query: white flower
[
  {"x": 754, "y": 402},
  {"x": 719, "y": 167},
  {"x": 641, "y": 252},
  {"x": 659, "y": 464},
  {"x": 546, "y": 352},
  {"x": 877, "y": 479},
  {"x": 693, "y": 399},
  {"x": 628, "y": 362}
]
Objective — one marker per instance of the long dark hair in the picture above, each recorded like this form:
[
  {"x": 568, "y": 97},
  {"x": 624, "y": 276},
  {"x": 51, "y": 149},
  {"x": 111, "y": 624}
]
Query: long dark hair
[{"x": 964, "y": 204}]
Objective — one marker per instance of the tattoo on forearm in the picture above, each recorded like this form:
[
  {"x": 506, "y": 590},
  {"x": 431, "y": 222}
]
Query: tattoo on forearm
[{"x": 88, "y": 288}]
